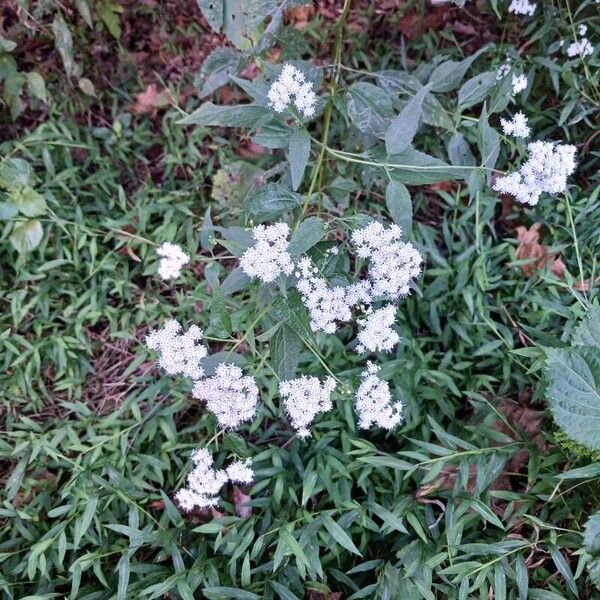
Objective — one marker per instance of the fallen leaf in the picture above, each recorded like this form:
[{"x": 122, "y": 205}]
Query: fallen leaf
[
  {"x": 151, "y": 100},
  {"x": 299, "y": 16},
  {"x": 240, "y": 501},
  {"x": 529, "y": 248}
]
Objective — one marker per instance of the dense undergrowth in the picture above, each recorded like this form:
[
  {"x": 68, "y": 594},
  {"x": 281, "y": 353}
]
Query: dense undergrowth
[{"x": 474, "y": 495}]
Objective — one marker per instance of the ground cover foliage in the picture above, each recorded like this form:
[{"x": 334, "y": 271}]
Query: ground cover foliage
[{"x": 490, "y": 485}]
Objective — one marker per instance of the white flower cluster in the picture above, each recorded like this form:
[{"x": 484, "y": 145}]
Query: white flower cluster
[
  {"x": 305, "y": 397},
  {"x": 519, "y": 83},
  {"x": 231, "y": 396},
  {"x": 545, "y": 170},
  {"x": 582, "y": 47},
  {"x": 522, "y": 7},
  {"x": 503, "y": 70},
  {"x": 392, "y": 264},
  {"x": 376, "y": 333},
  {"x": 269, "y": 257},
  {"x": 204, "y": 482},
  {"x": 327, "y": 304},
  {"x": 179, "y": 353},
  {"x": 374, "y": 401},
  {"x": 172, "y": 261},
  {"x": 291, "y": 86},
  {"x": 517, "y": 126}
]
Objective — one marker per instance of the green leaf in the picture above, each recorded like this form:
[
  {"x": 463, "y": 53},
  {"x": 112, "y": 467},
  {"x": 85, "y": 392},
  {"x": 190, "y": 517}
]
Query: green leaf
[
  {"x": 216, "y": 70},
  {"x": 124, "y": 570},
  {"x": 228, "y": 593},
  {"x": 399, "y": 205},
  {"x": 241, "y": 115},
  {"x": 339, "y": 535},
  {"x": 84, "y": 10},
  {"x": 591, "y": 535},
  {"x": 241, "y": 20},
  {"x": 64, "y": 43},
  {"x": 292, "y": 311},
  {"x": 474, "y": 90},
  {"x": 522, "y": 577},
  {"x": 86, "y": 86},
  {"x": 459, "y": 151},
  {"x": 7, "y": 45},
  {"x": 284, "y": 593},
  {"x": 36, "y": 86},
  {"x": 27, "y": 235},
  {"x": 369, "y": 108},
  {"x": 29, "y": 202},
  {"x": 285, "y": 349},
  {"x": 563, "y": 567},
  {"x": 489, "y": 142},
  {"x": 403, "y": 127},
  {"x": 309, "y": 233},
  {"x": 574, "y": 376},
  {"x": 272, "y": 202},
  {"x": 236, "y": 281},
  {"x": 298, "y": 155},
  {"x": 587, "y": 333},
  {"x": 448, "y": 75}
]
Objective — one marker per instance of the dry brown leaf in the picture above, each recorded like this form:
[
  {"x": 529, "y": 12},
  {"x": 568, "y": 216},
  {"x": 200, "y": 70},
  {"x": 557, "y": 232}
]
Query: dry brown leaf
[
  {"x": 529, "y": 248},
  {"x": 150, "y": 101},
  {"x": 241, "y": 503},
  {"x": 299, "y": 16}
]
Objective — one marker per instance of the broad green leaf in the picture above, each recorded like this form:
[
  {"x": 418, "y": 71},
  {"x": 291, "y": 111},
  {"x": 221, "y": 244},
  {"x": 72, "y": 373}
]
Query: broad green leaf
[
  {"x": 489, "y": 142},
  {"x": 124, "y": 570},
  {"x": 474, "y": 90},
  {"x": 339, "y": 535},
  {"x": 216, "y": 69},
  {"x": 64, "y": 43},
  {"x": 298, "y": 155},
  {"x": 285, "y": 349},
  {"x": 522, "y": 577},
  {"x": 574, "y": 398},
  {"x": 292, "y": 311},
  {"x": 242, "y": 115},
  {"x": 27, "y": 235},
  {"x": 416, "y": 168},
  {"x": 29, "y": 202},
  {"x": 591, "y": 535},
  {"x": 86, "y": 86},
  {"x": 403, "y": 127},
  {"x": 272, "y": 202},
  {"x": 459, "y": 151},
  {"x": 587, "y": 333},
  {"x": 84, "y": 10},
  {"x": 369, "y": 108},
  {"x": 401, "y": 83},
  {"x": 448, "y": 75},
  {"x": 310, "y": 232},
  {"x": 235, "y": 281},
  {"x": 399, "y": 205},
  {"x": 7, "y": 45}
]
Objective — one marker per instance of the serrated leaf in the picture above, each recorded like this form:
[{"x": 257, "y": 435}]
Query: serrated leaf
[
  {"x": 474, "y": 90},
  {"x": 27, "y": 235},
  {"x": 271, "y": 202},
  {"x": 399, "y": 205},
  {"x": 285, "y": 349},
  {"x": 574, "y": 398},
  {"x": 309, "y": 233},
  {"x": 448, "y": 75},
  {"x": 242, "y": 115},
  {"x": 587, "y": 333},
  {"x": 369, "y": 108},
  {"x": 298, "y": 155},
  {"x": 216, "y": 70},
  {"x": 403, "y": 127}
]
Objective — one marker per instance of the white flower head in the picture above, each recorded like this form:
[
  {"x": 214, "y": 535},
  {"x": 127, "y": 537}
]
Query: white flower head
[
  {"x": 519, "y": 83},
  {"x": 240, "y": 471},
  {"x": 204, "y": 483},
  {"x": 292, "y": 88},
  {"x": 517, "y": 126},
  {"x": 522, "y": 7},
  {"x": 305, "y": 397},
  {"x": 179, "y": 353},
  {"x": 545, "y": 170},
  {"x": 231, "y": 396},
  {"x": 393, "y": 264},
  {"x": 172, "y": 261},
  {"x": 582, "y": 29},
  {"x": 581, "y": 47},
  {"x": 503, "y": 70},
  {"x": 269, "y": 257},
  {"x": 376, "y": 333},
  {"x": 374, "y": 401}
]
